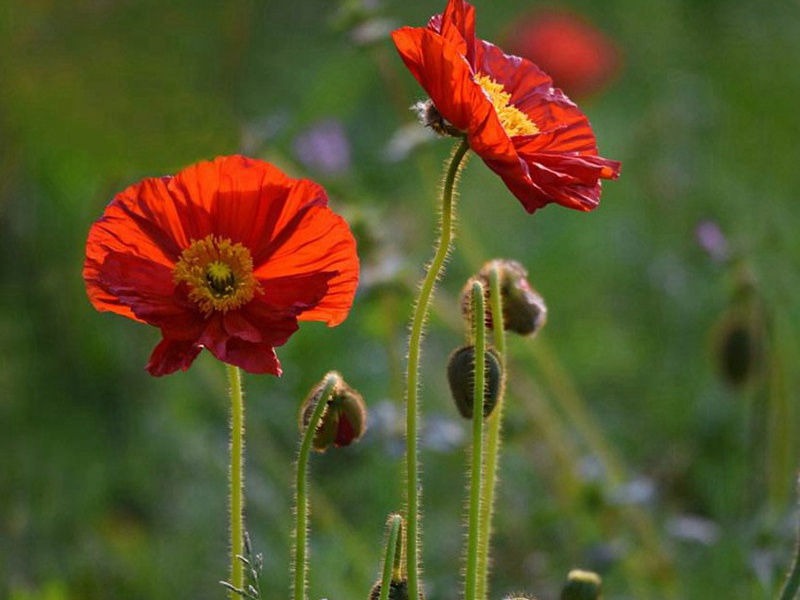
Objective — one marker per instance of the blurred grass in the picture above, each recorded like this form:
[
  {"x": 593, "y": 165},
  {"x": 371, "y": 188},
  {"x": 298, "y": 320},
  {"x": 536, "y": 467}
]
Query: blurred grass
[{"x": 112, "y": 483}]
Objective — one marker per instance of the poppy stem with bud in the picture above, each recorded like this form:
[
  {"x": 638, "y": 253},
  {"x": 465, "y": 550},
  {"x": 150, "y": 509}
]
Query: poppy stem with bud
[
  {"x": 301, "y": 488},
  {"x": 476, "y": 469},
  {"x": 236, "y": 478},
  {"x": 412, "y": 375},
  {"x": 492, "y": 448},
  {"x": 390, "y": 559}
]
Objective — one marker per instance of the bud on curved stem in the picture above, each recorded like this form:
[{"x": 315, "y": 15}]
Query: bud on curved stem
[
  {"x": 324, "y": 394},
  {"x": 392, "y": 569}
]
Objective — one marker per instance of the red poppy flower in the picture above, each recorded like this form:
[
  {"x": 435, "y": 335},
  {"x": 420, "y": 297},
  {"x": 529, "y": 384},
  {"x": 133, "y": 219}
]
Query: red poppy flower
[
  {"x": 524, "y": 129},
  {"x": 580, "y": 58},
  {"x": 226, "y": 255}
]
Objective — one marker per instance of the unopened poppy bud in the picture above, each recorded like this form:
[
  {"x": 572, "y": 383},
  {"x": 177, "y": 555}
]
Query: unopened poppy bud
[
  {"x": 524, "y": 310},
  {"x": 519, "y": 597},
  {"x": 738, "y": 346},
  {"x": 398, "y": 590},
  {"x": 461, "y": 377},
  {"x": 582, "y": 585},
  {"x": 344, "y": 420}
]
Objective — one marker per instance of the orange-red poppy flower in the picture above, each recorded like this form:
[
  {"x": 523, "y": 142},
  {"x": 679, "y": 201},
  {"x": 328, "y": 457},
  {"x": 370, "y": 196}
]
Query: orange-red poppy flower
[
  {"x": 580, "y": 58},
  {"x": 226, "y": 255},
  {"x": 524, "y": 129}
]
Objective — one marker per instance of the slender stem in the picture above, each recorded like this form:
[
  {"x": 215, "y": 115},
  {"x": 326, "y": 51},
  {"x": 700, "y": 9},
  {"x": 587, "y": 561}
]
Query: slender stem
[
  {"x": 792, "y": 584},
  {"x": 476, "y": 479},
  {"x": 300, "y": 591},
  {"x": 412, "y": 377},
  {"x": 236, "y": 478},
  {"x": 492, "y": 451},
  {"x": 389, "y": 557}
]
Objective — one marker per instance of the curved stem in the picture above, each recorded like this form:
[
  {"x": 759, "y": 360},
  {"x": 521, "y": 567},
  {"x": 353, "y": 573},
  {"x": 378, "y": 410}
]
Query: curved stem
[
  {"x": 412, "y": 376},
  {"x": 236, "y": 478},
  {"x": 493, "y": 442},
  {"x": 476, "y": 479},
  {"x": 301, "y": 491},
  {"x": 390, "y": 556}
]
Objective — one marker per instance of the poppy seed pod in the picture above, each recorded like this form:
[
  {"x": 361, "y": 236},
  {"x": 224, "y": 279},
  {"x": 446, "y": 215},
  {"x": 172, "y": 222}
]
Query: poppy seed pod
[
  {"x": 524, "y": 310},
  {"x": 344, "y": 419},
  {"x": 582, "y": 585},
  {"x": 461, "y": 377}
]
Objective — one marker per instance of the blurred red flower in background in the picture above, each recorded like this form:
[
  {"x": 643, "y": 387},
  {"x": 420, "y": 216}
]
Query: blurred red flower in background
[
  {"x": 226, "y": 255},
  {"x": 524, "y": 129},
  {"x": 579, "y": 57}
]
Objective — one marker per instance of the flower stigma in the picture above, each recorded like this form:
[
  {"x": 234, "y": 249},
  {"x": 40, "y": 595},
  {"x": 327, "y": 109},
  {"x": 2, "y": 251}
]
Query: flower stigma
[
  {"x": 513, "y": 120},
  {"x": 218, "y": 273}
]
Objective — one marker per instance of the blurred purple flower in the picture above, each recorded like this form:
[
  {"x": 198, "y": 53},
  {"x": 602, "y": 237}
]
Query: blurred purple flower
[
  {"x": 323, "y": 148},
  {"x": 713, "y": 241}
]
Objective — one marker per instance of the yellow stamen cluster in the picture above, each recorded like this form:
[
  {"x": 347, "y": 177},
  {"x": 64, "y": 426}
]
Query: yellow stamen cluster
[
  {"x": 513, "y": 120},
  {"x": 218, "y": 272}
]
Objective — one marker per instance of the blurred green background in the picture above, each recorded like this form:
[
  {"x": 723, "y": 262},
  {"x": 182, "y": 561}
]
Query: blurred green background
[{"x": 626, "y": 451}]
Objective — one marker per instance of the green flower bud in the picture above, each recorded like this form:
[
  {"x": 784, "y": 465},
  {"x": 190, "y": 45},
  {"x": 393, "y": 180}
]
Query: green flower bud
[
  {"x": 738, "y": 347},
  {"x": 582, "y": 585},
  {"x": 461, "y": 377},
  {"x": 344, "y": 420},
  {"x": 524, "y": 310}
]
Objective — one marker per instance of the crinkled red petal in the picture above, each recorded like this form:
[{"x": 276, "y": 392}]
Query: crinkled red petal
[
  {"x": 457, "y": 26},
  {"x": 447, "y": 77},
  {"x": 172, "y": 355},
  {"x": 146, "y": 288}
]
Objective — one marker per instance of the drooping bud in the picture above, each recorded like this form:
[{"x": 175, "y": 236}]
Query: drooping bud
[
  {"x": 524, "y": 310},
  {"x": 460, "y": 376},
  {"x": 519, "y": 597},
  {"x": 582, "y": 585},
  {"x": 344, "y": 420}
]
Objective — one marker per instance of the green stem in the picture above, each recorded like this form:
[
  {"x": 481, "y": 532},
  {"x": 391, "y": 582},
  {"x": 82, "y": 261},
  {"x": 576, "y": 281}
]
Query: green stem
[
  {"x": 301, "y": 491},
  {"x": 492, "y": 451},
  {"x": 793, "y": 578},
  {"x": 476, "y": 479},
  {"x": 390, "y": 556},
  {"x": 236, "y": 478},
  {"x": 412, "y": 377}
]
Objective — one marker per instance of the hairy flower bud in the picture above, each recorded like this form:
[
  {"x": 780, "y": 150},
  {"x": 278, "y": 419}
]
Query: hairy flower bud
[
  {"x": 524, "y": 310},
  {"x": 398, "y": 590},
  {"x": 344, "y": 420},
  {"x": 461, "y": 377},
  {"x": 581, "y": 585}
]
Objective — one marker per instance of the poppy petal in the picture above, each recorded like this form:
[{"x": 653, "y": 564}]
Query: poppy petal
[{"x": 172, "y": 355}]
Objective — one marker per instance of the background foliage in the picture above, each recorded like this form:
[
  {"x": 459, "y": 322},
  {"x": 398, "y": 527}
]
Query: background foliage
[{"x": 625, "y": 451}]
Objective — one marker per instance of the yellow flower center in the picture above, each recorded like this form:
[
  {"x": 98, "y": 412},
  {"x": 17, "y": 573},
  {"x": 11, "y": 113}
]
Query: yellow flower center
[
  {"x": 218, "y": 272},
  {"x": 513, "y": 120}
]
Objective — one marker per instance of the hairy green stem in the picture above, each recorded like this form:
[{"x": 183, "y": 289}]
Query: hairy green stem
[
  {"x": 492, "y": 450},
  {"x": 390, "y": 557},
  {"x": 476, "y": 475},
  {"x": 236, "y": 478},
  {"x": 299, "y": 589},
  {"x": 412, "y": 374}
]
